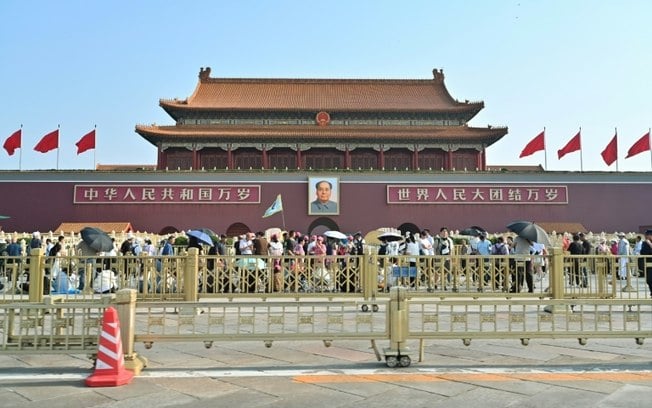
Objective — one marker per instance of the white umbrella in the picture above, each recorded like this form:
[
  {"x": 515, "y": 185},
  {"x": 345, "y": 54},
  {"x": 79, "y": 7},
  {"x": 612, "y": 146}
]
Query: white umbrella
[{"x": 335, "y": 234}]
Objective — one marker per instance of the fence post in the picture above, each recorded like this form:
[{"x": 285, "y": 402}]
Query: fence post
[
  {"x": 366, "y": 261},
  {"x": 190, "y": 275},
  {"x": 399, "y": 328},
  {"x": 36, "y": 275},
  {"x": 125, "y": 301},
  {"x": 556, "y": 274}
]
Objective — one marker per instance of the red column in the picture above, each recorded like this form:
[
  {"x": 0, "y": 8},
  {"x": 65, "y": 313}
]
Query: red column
[
  {"x": 347, "y": 158},
  {"x": 381, "y": 157},
  {"x": 265, "y": 160},
  {"x": 194, "y": 158},
  {"x": 483, "y": 163},
  {"x": 415, "y": 158},
  {"x": 229, "y": 158},
  {"x": 449, "y": 160},
  {"x": 299, "y": 164},
  {"x": 160, "y": 161},
  {"x": 479, "y": 160}
]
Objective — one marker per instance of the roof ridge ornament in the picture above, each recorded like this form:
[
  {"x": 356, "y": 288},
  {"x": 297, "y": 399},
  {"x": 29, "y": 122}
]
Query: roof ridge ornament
[
  {"x": 204, "y": 74},
  {"x": 438, "y": 74}
]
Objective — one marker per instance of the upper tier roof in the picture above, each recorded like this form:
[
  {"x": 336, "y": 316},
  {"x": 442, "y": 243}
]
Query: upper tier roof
[
  {"x": 331, "y": 95},
  {"x": 312, "y": 133}
]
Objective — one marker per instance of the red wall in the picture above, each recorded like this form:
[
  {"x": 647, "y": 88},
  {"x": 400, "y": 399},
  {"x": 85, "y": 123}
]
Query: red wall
[{"x": 600, "y": 201}]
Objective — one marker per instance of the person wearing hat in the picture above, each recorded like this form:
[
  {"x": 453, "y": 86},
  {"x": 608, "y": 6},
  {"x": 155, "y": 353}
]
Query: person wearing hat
[
  {"x": 127, "y": 245},
  {"x": 35, "y": 242},
  {"x": 646, "y": 251}
]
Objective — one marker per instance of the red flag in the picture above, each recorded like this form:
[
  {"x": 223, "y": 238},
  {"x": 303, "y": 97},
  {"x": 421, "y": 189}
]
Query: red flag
[
  {"x": 641, "y": 145},
  {"x": 48, "y": 142},
  {"x": 13, "y": 142},
  {"x": 87, "y": 142},
  {"x": 573, "y": 145},
  {"x": 535, "y": 145},
  {"x": 610, "y": 153}
]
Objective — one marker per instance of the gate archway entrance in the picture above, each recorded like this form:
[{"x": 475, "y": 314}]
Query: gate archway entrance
[
  {"x": 237, "y": 229},
  {"x": 321, "y": 225}
]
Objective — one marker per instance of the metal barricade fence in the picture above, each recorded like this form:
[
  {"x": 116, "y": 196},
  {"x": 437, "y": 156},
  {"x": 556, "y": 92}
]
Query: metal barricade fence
[
  {"x": 281, "y": 276},
  {"x": 464, "y": 275},
  {"x": 190, "y": 276},
  {"x": 51, "y": 326}
]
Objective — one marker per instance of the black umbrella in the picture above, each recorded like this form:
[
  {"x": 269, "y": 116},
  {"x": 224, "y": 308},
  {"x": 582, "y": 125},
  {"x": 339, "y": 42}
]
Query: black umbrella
[
  {"x": 530, "y": 231},
  {"x": 96, "y": 239},
  {"x": 473, "y": 231},
  {"x": 390, "y": 236}
]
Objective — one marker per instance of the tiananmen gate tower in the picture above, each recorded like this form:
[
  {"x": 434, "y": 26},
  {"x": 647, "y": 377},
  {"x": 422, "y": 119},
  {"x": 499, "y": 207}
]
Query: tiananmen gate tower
[{"x": 342, "y": 154}]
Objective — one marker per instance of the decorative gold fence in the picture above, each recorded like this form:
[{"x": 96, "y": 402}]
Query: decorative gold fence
[
  {"x": 191, "y": 276},
  {"x": 192, "y": 297},
  {"x": 51, "y": 327},
  {"x": 61, "y": 327}
]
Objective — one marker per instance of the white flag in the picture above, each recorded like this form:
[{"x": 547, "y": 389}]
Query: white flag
[{"x": 277, "y": 206}]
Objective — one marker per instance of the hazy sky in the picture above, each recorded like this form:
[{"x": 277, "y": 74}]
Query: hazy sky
[{"x": 561, "y": 65}]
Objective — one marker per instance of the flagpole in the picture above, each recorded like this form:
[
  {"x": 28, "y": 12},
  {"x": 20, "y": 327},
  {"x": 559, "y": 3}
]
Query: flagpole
[
  {"x": 581, "y": 160},
  {"x": 648, "y": 142},
  {"x": 545, "y": 152},
  {"x": 20, "y": 154},
  {"x": 95, "y": 149},
  {"x": 616, "y": 133},
  {"x": 283, "y": 216},
  {"x": 58, "y": 137}
]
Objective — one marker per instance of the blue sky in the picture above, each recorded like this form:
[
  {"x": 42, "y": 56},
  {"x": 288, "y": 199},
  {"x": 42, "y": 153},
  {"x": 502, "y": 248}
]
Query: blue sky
[{"x": 561, "y": 65}]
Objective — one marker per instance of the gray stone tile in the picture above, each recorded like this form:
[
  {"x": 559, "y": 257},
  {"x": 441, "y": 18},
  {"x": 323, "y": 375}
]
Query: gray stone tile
[
  {"x": 556, "y": 397},
  {"x": 45, "y": 390},
  {"x": 134, "y": 399},
  {"x": 484, "y": 397},
  {"x": 239, "y": 399},
  {"x": 512, "y": 386},
  {"x": 400, "y": 397},
  {"x": 201, "y": 388},
  {"x": 440, "y": 388},
  {"x": 628, "y": 396},
  {"x": 10, "y": 398}
]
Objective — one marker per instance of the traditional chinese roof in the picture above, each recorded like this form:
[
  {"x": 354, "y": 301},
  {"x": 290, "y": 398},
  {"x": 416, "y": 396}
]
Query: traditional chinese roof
[
  {"x": 517, "y": 168},
  {"x": 125, "y": 167},
  {"x": 560, "y": 227},
  {"x": 300, "y": 133},
  {"x": 108, "y": 227},
  {"x": 314, "y": 95}
]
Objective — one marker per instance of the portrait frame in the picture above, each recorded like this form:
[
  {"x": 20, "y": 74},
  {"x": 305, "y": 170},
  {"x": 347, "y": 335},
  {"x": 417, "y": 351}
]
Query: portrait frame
[{"x": 332, "y": 206}]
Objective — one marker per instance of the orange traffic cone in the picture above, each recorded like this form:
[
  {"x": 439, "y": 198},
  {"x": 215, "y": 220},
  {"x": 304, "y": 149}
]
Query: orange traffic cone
[{"x": 110, "y": 368}]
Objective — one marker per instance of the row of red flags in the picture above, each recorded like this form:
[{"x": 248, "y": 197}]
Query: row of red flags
[
  {"x": 609, "y": 154},
  {"x": 48, "y": 142}
]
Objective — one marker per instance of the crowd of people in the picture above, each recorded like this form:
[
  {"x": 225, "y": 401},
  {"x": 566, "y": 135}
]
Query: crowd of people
[{"x": 410, "y": 248}]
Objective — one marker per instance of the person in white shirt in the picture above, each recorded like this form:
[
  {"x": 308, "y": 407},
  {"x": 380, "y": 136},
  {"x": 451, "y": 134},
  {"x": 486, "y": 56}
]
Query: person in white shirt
[
  {"x": 623, "y": 252},
  {"x": 275, "y": 249},
  {"x": 246, "y": 244},
  {"x": 412, "y": 251},
  {"x": 444, "y": 246},
  {"x": 105, "y": 282}
]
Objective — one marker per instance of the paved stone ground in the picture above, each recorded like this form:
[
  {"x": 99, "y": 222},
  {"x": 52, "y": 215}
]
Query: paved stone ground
[{"x": 496, "y": 373}]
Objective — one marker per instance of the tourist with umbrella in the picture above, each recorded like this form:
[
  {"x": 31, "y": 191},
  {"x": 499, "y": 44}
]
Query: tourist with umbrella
[
  {"x": 530, "y": 231},
  {"x": 527, "y": 234}
]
